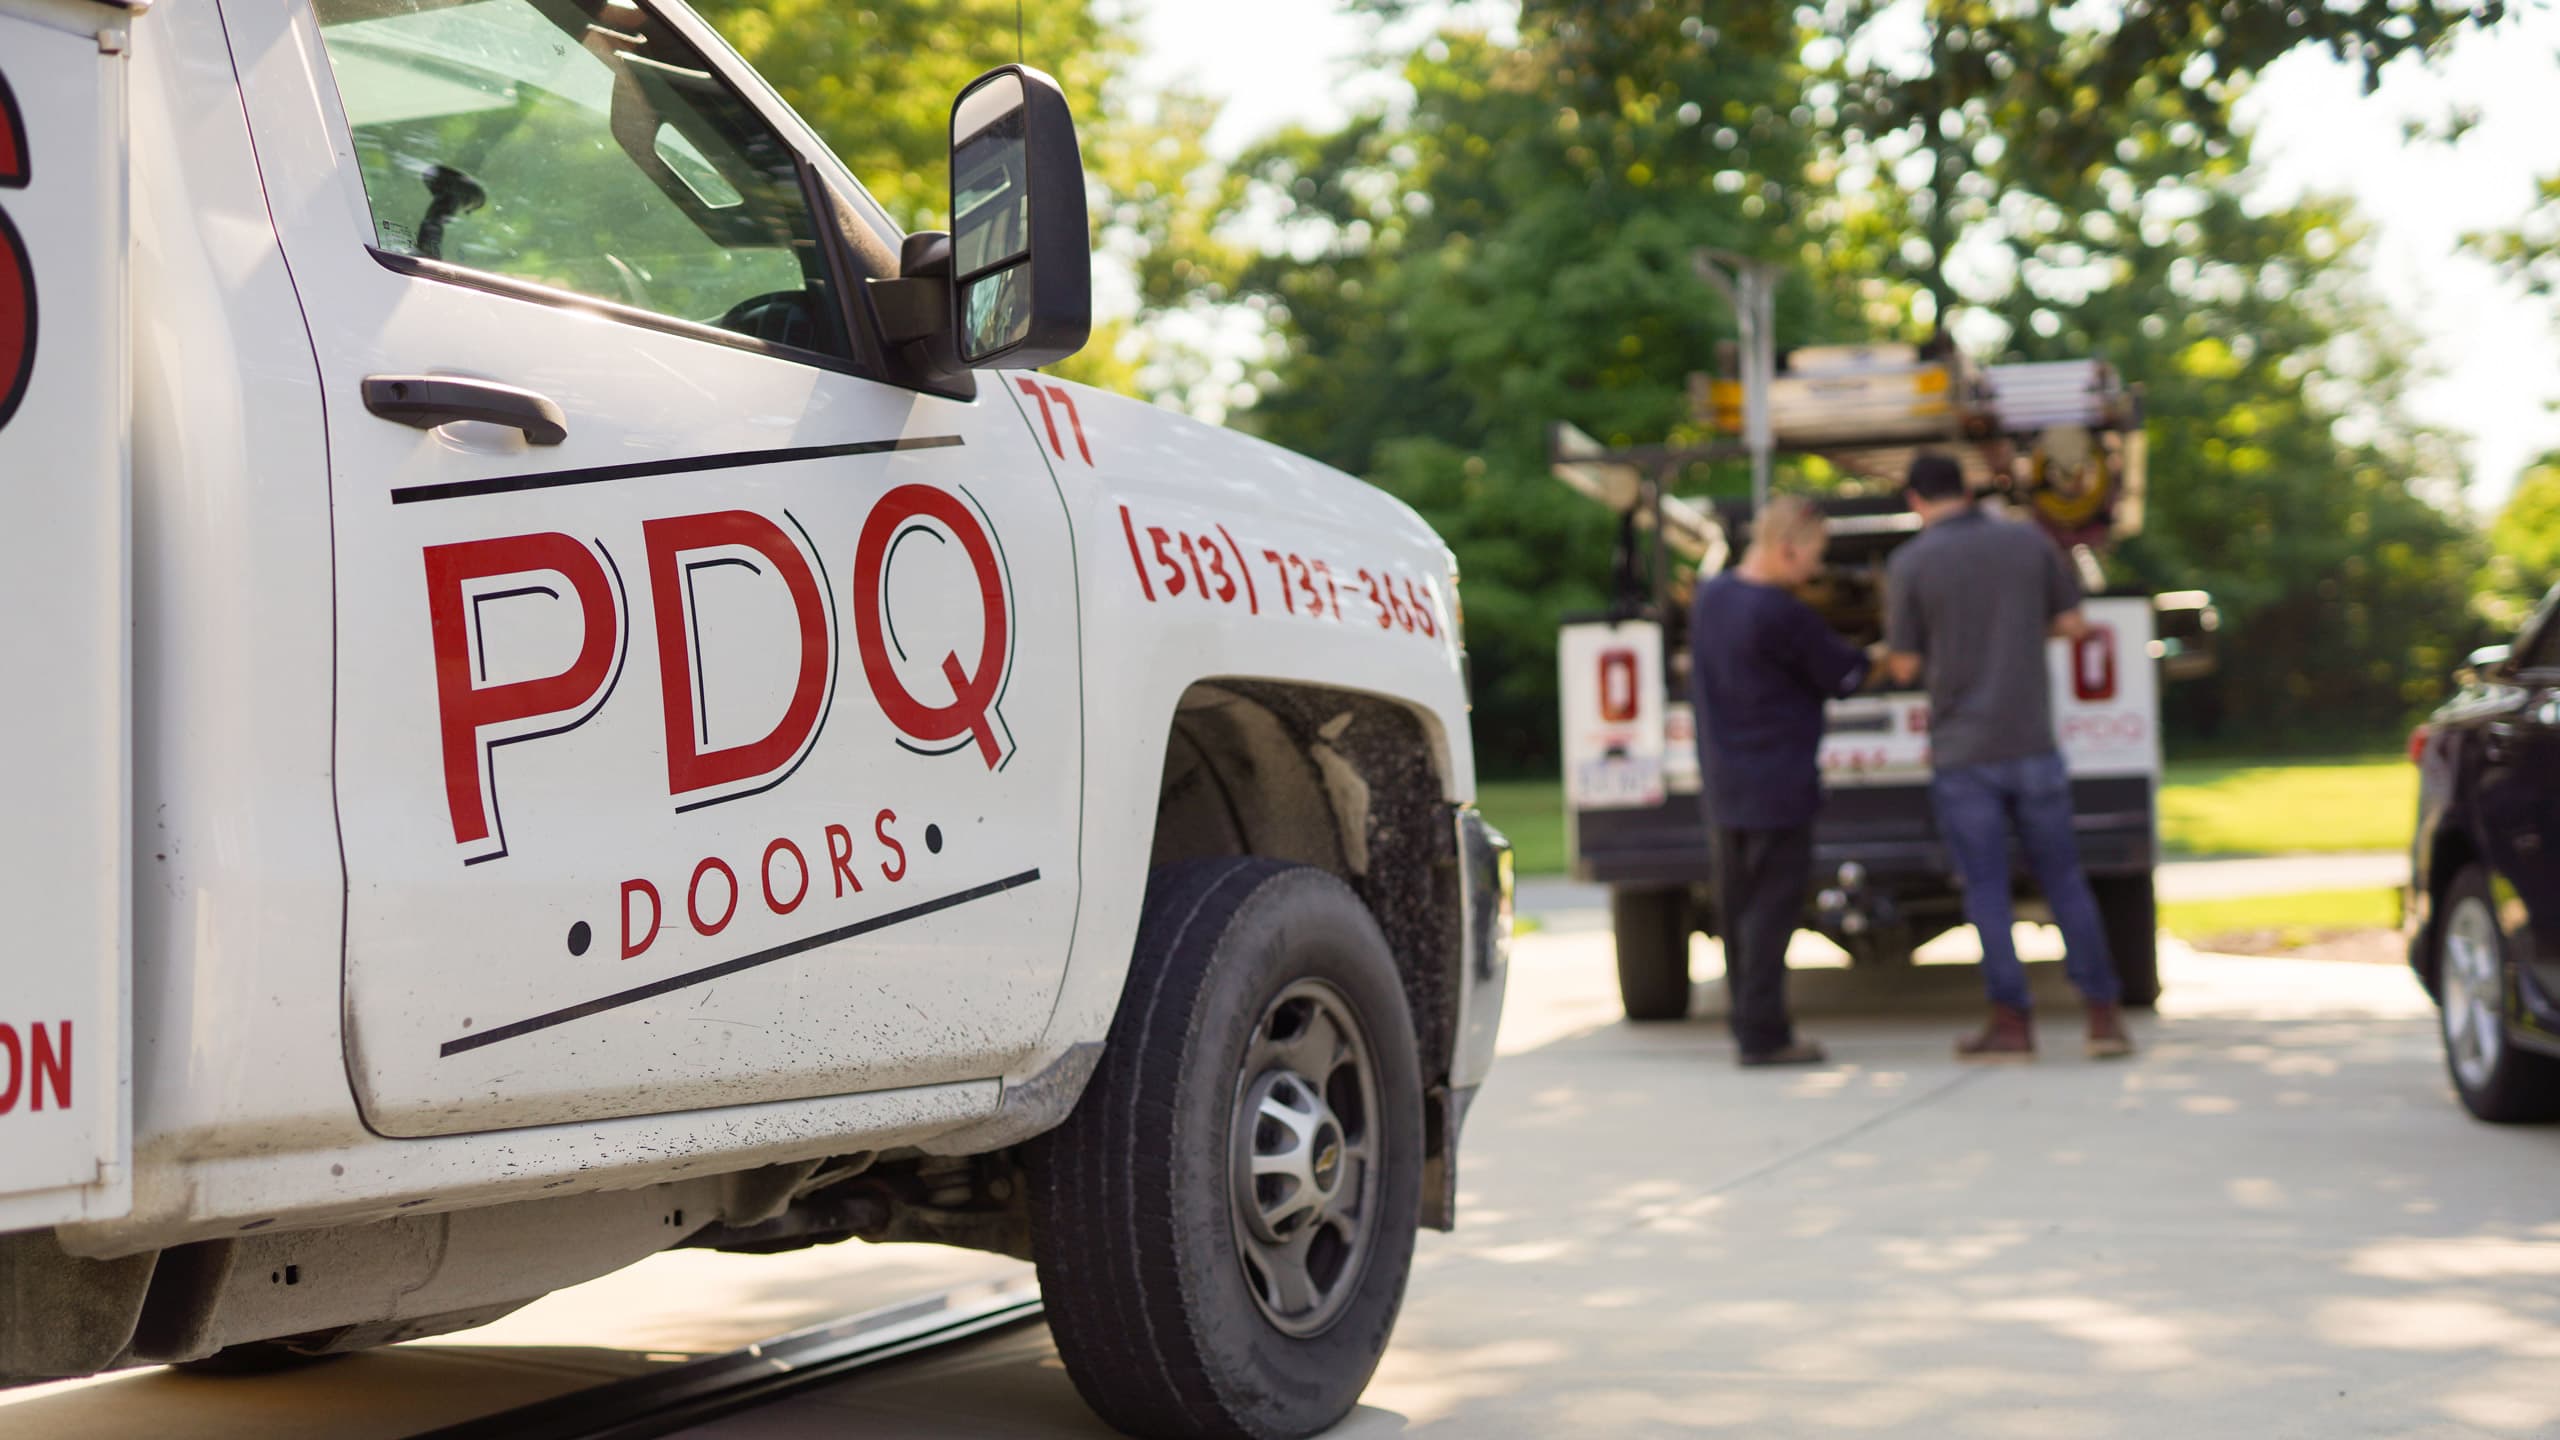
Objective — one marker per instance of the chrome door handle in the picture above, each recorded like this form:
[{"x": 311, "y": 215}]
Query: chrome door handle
[{"x": 427, "y": 401}]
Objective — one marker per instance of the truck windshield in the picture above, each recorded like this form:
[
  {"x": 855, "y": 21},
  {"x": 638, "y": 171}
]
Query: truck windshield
[{"x": 583, "y": 145}]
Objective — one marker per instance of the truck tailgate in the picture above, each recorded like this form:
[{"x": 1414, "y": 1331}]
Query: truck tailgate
[{"x": 65, "y": 473}]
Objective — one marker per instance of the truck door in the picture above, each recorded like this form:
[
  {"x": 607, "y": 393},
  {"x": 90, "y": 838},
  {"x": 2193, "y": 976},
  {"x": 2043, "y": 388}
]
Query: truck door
[
  {"x": 65, "y": 1142},
  {"x": 2519, "y": 804},
  {"x": 707, "y": 726}
]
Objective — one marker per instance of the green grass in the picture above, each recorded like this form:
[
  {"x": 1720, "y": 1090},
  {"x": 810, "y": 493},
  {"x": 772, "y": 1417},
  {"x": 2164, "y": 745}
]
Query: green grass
[
  {"x": 2272, "y": 808},
  {"x": 1531, "y": 812},
  {"x": 2220, "y": 807},
  {"x": 2282, "y": 921}
]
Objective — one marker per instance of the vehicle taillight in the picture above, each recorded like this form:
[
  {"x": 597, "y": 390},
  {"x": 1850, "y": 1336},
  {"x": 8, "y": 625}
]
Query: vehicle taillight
[{"x": 2418, "y": 745}]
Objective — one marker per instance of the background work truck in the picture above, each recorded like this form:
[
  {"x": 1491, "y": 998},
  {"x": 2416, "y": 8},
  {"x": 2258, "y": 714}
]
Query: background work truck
[
  {"x": 572, "y": 691},
  {"x": 2053, "y": 445}
]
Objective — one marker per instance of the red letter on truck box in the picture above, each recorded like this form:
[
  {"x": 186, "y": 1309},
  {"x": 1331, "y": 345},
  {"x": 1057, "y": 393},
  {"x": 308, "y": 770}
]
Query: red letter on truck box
[
  {"x": 477, "y": 717},
  {"x": 690, "y": 767},
  {"x": 47, "y": 1063}
]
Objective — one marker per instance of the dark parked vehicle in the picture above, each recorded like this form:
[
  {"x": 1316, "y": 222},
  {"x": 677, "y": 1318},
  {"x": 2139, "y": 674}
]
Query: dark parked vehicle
[{"x": 2485, "y": 874}]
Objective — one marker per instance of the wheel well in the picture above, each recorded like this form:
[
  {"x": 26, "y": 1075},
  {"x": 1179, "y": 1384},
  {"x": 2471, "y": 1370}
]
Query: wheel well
[
  {"x": 1348, "y": 783},
  {"x": 2451, "y": 852}
]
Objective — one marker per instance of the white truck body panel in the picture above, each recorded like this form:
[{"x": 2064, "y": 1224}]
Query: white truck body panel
[
  {"x": 2106, "y": 714},
  {"x": 2106, "y": 709},
  {"x": 65, "y": 476},
  {"x": 1609, "y": 675},
  {"x": 309, "y": 929},
  {"x": 1306, "y": 616}
]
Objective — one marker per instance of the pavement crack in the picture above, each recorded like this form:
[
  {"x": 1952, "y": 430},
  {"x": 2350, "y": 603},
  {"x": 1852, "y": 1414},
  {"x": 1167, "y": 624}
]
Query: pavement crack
[{"x": 1828, "y": 1143}]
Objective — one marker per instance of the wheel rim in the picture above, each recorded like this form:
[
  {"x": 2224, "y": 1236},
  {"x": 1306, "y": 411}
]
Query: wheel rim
[
  {"x": 2473, "y": 990},
  {"x": 1306, "y": 1158}
]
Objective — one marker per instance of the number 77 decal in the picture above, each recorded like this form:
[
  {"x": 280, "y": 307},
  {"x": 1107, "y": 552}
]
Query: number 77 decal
[{"x": 1046, "y": 393}]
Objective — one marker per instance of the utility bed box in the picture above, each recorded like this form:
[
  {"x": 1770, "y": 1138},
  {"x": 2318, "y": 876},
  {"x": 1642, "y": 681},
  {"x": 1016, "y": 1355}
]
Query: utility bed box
[
  {"x": 1632, "y": 786},
  {"x": 1637, "y": 820},
  {"x": 65, "y": 1121},
  {"x": 2054, "y": 444}
]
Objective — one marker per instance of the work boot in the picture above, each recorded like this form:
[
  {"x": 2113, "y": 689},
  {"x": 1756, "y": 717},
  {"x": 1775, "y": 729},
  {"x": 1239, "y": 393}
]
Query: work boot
[
  {"x": 2008, "y": 1036},
  {"x": 1794, "y": 1052},
  {"x": 2108, "y": 1039}
]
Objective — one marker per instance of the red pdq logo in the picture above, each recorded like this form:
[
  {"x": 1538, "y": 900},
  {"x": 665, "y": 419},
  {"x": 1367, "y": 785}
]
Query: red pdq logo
[
  {"x": 478, "y": 716},
  {"x": 1617, "y": 686},
  {"x": 2093, "y": 666}
]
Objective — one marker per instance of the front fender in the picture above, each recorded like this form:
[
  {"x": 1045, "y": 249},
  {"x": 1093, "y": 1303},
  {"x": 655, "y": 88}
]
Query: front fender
[{"x": 1203, "y": 554}]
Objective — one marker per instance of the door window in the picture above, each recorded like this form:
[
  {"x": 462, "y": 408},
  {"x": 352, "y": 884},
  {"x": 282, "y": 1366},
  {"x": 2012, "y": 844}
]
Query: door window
[{"x": 582, "y": 145}]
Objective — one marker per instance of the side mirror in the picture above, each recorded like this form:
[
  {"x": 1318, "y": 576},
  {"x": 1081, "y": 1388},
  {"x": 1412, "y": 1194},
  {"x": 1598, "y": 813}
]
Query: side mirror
[
  {"x": 2184, "y": 623},
  {"x": 1021, "y": 257}
]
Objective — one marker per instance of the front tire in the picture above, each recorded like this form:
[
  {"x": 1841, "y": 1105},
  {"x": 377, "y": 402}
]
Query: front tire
[
  {"x": 1653, "y": 952},
  {"x": 1224, "y": 1225},
  {"x": 2497, "y": 1082},
  {"x": 2130, "y": 911}
]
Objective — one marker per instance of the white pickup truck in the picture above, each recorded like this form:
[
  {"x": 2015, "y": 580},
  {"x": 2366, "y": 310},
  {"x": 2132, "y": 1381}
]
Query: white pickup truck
[
  {"x": 573, "y": 693},
  {"x": 2056, "y": 444}
]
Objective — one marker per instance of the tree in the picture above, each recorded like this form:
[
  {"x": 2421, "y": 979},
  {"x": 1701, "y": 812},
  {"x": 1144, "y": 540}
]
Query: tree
[
  {"x": 2088, "y": 191},
  {"x": 1514, "y": 250},
  {"x": 2525, "y": 544},
  {"x": 2052, "y": 84},
  {"x": 2530, "y": 250}
]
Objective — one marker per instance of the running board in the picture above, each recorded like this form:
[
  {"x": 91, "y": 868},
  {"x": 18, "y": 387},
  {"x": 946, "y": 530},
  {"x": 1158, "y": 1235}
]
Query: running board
[{"x": 715, "y": 1385}]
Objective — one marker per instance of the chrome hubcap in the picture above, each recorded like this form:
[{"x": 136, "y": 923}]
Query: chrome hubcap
[
  {"x": 1305, "y": 1176},
  {"x": 2472, "y": 989}
]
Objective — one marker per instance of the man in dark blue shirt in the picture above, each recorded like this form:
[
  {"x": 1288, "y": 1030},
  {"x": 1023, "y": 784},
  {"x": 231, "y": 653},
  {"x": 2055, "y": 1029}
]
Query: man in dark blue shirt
[{"x": 1762, "y": 665}]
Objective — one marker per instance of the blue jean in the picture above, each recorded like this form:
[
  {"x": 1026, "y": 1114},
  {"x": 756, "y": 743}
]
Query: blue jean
[{"x": 1978, "y": 805}]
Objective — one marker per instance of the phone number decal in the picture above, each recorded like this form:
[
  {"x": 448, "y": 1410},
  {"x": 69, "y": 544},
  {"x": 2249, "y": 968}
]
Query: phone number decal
[{"x": 1174, "y": 564}]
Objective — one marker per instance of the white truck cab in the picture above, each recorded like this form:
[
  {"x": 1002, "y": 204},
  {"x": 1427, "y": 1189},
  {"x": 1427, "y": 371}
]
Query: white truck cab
[{"x": 579, "y": 694}]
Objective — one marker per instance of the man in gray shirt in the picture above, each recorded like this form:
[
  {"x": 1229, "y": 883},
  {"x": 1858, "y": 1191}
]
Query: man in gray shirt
[{"x": 1969, "y": 606}]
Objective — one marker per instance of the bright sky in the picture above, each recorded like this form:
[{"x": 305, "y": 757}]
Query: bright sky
[{"x": 2493, "y": 353}]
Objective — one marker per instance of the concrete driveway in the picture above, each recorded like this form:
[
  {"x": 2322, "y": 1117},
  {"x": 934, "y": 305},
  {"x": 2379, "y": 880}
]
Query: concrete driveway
[{"x": 2274, "y": 1222}]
